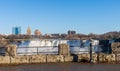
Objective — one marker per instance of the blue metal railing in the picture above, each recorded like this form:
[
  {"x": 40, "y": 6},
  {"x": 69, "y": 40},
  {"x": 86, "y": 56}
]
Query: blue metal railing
[
  {"x": 48, "y": 50},
  {"x": 37, "y": 50}
]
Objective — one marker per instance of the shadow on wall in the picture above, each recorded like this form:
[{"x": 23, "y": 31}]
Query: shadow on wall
[
  {"x": 105, "y": 46},
  {"x": 75, "y": 58}
]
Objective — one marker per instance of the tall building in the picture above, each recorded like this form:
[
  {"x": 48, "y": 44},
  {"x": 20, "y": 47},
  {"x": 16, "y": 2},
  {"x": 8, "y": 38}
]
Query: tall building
[
  {"x": 28, "y": 31},
  {"x": 16, "y": 30},
  {"x": 70, "y": 32}
]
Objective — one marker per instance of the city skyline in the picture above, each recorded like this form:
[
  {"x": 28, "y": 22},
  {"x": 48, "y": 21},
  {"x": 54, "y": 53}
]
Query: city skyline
[{"x": 59, "y": 16}]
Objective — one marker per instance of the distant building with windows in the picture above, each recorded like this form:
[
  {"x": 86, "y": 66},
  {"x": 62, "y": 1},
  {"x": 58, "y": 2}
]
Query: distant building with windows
[
  {"x": 71, "y": 32},
  {"x": 16, "y": 30},
  {"x": 37, "y": 32},
  {"x": 56, "y": 35}
]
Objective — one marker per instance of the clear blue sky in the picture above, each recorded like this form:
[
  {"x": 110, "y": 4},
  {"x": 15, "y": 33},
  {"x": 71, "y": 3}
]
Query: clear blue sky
[{"x": 59, "y": 16}]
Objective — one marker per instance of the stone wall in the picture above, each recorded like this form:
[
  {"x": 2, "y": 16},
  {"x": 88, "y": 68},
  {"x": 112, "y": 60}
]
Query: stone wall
[
  {"x": 115, "y": 47},
  {"x": 4, "y": 60},
  {"x": 10, "y": 50},
  {"x": 68, "y": 58},
  {"x": 83, "y": 57},
  {"x": 19, "y": 60},
  {"x": 64, "y": 56},
  {"x": 86, "y": 58},
  {"x": 117, "y": 57},
  {"x": 106, "y": 58},
  {"x": 101, "y": 58},
  {"x": 37, "y": 58},
  {"x": 25, "y": 59},
  {"x": 63, "y": 49},
  {"x": 28, "y": 59},
  {"x": 55, "y": 58}
]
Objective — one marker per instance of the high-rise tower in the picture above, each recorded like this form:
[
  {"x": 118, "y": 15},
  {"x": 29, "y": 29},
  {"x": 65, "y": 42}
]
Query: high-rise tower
[
  {"x": 16, "y": 30},
  {"x": 28, "y": 31}
]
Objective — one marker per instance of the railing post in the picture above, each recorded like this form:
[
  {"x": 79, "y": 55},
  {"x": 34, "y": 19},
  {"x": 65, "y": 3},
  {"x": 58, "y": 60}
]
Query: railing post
[
  {"x": 91, "y": 53},
  {"x": 37, "y": 50}
]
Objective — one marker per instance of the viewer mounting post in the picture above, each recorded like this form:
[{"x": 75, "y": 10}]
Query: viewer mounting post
[{"x": 91, "y": 53}]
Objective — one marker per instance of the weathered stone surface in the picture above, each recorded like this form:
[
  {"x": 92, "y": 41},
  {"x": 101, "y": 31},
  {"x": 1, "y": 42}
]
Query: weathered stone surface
[
  {"x": 55, "y": 58},
  {"x": 10, "y": 50},
  {"x": 3, "y": 42},
  {"x": 110, "y": 58},
  {"x": 94, "y": 58},
  {"x": 86, "y": 58},
  {"x": 19, "y": 59},
  {"x": 63, "y": 49},
  {"x": 102, "y": 58},
  {"x": 83, "y": 57},
  {"x": 68, "y": 58},
  {"x": 107, "y": 58},
  {"x": 4, "y": 60},
  {"x": 118, "y": 58},
  {"x": 115, "y": 47},
  {"x": 37, "y": 58}
]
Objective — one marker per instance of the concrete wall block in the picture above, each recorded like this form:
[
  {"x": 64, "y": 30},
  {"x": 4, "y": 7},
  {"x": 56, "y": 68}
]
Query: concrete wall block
[
  {"x": 115, "y": 47},
  {"x": 102, "y": 58},
  {"x": 55, "y": 58},
  {"x": 19, "y": 60},
  {"x": 10, "y": 50},
  {"x": 107, "y": 58},
  {"x": 110, "y": 58},
  {"x": 63, "y": 49},
  {"x": 68, "y": 58},
  {"x": 37, "y": 58},
  {"x": 118, "y": 58},
  {"x": 83, "y": 57},
  {"x": 95, "y": 58},
  {"x": 4, "y": 60}
]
